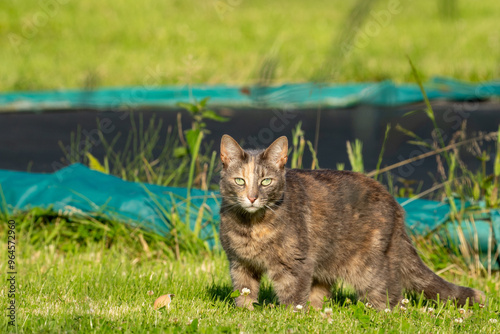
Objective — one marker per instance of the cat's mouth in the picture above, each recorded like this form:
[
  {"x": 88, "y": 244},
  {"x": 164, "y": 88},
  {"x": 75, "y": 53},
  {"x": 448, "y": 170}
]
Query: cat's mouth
[{"x": 252, "y": 208}]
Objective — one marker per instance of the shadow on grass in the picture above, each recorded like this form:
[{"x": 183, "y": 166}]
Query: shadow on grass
[
  {"x": 267, "y": 295},
  {"x": 222, "y": 292},
  {"x": 340, "y": 296}
]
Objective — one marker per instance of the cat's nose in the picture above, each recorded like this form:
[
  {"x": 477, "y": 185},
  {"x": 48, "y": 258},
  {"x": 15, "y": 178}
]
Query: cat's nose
[{"x": 252, "y": 199}]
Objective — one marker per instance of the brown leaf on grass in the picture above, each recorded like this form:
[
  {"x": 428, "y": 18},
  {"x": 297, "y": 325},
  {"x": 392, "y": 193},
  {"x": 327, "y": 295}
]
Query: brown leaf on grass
[{"x": 163, "y": 301}]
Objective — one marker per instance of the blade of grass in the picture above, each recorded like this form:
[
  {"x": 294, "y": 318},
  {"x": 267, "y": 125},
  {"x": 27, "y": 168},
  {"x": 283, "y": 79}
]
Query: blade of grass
[
  {"x": 380, "y": 156},
  {"x": 429, "y": 111}
]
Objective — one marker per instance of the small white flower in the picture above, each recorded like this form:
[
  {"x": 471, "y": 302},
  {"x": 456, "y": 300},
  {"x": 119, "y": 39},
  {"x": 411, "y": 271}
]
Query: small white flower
[
  {"x": 493, "y": 321},
  {"x": 245, "y": 291},
  {"x": 459, "y": 320},
  {"x": 387, "y": 310},
  {"x": 402, "y": 308},
  {"x": 369, "y": 305},
  {"x": 328, "y": 311},
  {"x": 405, "y": 301},
  {"x": 298, "y": 307},
  {"x": 150, "y": 293},
  {"x": 461, "y": 311},
  {"x": 430, "y": 310},
  {"x": 481, "y": 305}
]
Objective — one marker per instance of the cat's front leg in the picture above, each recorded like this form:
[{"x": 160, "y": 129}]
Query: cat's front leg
[
  {"x": 292, "y": 284},
  {"x": 244, "y": 277}
]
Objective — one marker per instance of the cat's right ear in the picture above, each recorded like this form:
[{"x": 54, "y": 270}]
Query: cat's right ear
[{"x": 230, "y": 151}]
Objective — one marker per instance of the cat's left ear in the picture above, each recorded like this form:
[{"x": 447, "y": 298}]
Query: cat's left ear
[{"x": 277, "y": 152}]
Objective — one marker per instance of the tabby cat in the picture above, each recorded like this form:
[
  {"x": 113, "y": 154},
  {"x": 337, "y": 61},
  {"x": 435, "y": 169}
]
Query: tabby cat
[{"x": 309, "y": 228}]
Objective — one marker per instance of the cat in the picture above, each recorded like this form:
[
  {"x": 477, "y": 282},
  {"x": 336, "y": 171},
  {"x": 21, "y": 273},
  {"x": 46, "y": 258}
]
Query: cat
[{"x": 309, "y": 228}]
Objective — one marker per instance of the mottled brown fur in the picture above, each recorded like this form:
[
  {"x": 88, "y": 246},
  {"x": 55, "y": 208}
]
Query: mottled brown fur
[{"x": 310, "y": 228}]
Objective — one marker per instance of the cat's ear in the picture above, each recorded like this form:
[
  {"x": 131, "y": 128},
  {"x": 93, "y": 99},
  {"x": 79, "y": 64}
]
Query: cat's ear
[
  {"x": 277, "y": 152},
  {"x": 230, "y": 150}
]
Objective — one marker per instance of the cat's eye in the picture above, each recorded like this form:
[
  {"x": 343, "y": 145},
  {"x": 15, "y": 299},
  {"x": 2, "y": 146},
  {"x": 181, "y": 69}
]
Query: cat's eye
[
  {"x": 239, "y": 181},
  {"x": 266, "y": 182}
]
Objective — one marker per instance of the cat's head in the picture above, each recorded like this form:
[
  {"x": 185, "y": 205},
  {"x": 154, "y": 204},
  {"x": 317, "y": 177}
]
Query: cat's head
[{"x": 252, "y": 180}]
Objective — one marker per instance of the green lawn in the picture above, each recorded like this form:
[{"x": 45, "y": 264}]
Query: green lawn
[
  {"x": 71, "y": 281},
  {"x": 57, "y": 44}
]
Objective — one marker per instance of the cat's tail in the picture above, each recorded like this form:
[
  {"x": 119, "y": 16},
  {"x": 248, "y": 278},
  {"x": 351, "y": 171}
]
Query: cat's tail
[{"x": 419, "y": 278}]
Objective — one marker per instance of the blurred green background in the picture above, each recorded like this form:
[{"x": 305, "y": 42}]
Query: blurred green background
[{"x": 54, "y": 44}]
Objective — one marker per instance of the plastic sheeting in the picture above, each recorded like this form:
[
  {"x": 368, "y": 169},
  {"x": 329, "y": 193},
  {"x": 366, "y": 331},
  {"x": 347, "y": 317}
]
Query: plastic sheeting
[
  {"x": 79, "y": 190},
  {"x": 424, "y": 217},
  {"x": 385, "y": 93}
]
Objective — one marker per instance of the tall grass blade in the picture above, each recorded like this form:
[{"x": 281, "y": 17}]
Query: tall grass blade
[
  {"x": 95, "y": 164},
  {"x": 355, "y": 155},
  {"x": 429, "y": 111},
  {"x": 381, "y": 155},
  {"x": 315, "y": 163},
  {"x": 4, "y": 209}
]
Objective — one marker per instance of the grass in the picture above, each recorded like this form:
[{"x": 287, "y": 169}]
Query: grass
[
  {"x": 82, "y": 274},
  {"x": 73, "y": 44},
  {"x": 79, "y": 274},
  {"x": 95, "y": 286}
]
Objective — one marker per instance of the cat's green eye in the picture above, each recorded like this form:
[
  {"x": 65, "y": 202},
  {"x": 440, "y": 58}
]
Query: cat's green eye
[
  {"x": 239, "y": 181},
  {"x": 266, "y": 182}
]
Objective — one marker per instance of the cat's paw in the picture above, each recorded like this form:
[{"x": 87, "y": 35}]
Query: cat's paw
[
  {"x": 479, "y": 297},
  {"x": 245, "y": 302}
]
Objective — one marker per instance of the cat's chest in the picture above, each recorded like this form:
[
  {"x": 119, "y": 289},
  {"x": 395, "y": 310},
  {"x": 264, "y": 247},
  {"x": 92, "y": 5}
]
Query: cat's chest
[{"x": 254, "y": 242}]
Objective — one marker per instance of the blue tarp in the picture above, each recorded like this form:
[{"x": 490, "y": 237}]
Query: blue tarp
[
  {"x": 424, "y": 217},
  {"x": 385, "y": 93},
  {"x": 78, "y": 190}
]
